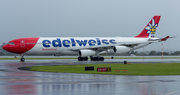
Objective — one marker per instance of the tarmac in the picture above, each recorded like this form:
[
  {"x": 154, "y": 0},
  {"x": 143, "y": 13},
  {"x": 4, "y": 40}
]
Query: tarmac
[{"x": 19, "y": 82}]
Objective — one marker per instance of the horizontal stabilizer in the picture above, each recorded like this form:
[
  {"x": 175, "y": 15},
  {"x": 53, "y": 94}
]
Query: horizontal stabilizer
[
  {"x": 164, "y": 39},
  {"x": 160, "y": 39}
]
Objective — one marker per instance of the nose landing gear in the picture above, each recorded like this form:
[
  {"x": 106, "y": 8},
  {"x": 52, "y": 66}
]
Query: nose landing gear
[{"x": 22, "y": 58}]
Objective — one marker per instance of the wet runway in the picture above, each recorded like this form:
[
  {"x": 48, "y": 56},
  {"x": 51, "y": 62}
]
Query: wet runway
[{"x": 18, "y": 82}]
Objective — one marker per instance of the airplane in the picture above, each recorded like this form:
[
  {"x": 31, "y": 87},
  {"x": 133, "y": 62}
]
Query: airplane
[{"x": 85, "y": 46}]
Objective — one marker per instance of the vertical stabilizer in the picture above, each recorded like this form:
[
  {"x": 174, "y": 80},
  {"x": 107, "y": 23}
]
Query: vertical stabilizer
[{"x": 150, "y": 29}]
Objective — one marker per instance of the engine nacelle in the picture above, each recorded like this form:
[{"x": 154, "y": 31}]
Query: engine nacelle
[
  {"x": 84, "y": 53},
  {"x": 121, "y": 49}
]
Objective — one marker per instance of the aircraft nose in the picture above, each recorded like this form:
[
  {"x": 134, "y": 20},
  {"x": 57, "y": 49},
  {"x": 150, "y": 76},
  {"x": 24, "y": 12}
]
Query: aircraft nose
[
  {"x": 10, "y": 48},
  {"x": 5, "y": 47}
]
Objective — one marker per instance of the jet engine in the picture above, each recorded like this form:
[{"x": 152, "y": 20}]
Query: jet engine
[
  {"x": 84, "y": 53},
  {"x": 121, "y": 49}
]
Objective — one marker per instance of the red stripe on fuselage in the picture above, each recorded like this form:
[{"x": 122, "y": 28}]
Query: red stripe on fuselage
[{"x": 21, "y": 45}]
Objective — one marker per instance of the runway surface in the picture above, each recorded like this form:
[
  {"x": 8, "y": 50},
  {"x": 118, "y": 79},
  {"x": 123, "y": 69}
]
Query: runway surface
[{"x": 19, "y": 82}]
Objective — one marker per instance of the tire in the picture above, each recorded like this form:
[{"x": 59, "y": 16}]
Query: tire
[
  {"x": 101, "y": 58},
  {"x": 80, "y": 59},
  {"x": 85, "y": 58},
  {"x": 125, "y": 62},
  {"x": 96, "y": 58},
  {"x": 92, "y": 58},
  {"x": 22, "y": 59}
]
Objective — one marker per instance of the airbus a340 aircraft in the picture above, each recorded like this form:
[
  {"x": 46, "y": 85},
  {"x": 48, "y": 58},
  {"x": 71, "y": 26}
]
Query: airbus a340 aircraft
[{"x": 85, "y": 46}]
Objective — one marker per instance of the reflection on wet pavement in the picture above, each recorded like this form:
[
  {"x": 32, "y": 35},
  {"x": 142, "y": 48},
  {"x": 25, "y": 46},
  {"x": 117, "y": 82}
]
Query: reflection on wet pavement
[{"x": 18, "y": 82}]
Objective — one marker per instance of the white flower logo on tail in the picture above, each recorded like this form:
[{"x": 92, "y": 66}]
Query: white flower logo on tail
[{"x": 151, "y": 29}]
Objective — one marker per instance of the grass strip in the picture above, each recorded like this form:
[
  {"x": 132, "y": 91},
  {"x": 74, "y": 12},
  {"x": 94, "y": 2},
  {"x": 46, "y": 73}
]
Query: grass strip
[{"x": 132, "y": 69}]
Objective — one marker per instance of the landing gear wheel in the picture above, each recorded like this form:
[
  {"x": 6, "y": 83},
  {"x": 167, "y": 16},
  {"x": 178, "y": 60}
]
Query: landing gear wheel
[
  {"x": 91, "y": 58},
  {"x": 85, "y": 58},
  {"x": 101, "y": 58},
  {"x": 96, "y": 58},
  {"x": 125, "y": 62},
  {"x": 22, "y": 59},
  {"x": 80, "y": 59}
]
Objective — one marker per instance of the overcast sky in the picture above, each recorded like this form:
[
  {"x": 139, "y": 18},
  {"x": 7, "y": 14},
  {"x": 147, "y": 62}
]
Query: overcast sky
[{"x": 89, "y": 18}]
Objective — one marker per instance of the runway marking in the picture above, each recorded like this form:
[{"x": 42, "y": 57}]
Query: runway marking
[{"x": 171, "y": 92}]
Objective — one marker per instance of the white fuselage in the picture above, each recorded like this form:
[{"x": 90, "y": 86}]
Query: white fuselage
[{"x": 71, "y": 45}]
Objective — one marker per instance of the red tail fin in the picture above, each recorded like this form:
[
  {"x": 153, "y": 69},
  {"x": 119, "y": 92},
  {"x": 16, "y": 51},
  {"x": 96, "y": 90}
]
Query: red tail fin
[{"x": 150, "y": 29}]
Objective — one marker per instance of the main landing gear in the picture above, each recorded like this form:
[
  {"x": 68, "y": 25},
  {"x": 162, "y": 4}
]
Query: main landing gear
[
  {"x": 97, "y": 58},
  {"x": 92, "y": 58},
  {"x": 82, "y": 58}
]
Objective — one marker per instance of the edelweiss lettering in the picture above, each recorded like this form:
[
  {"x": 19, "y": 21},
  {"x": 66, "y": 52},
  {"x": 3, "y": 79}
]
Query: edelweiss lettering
[{"x": 72, "y": 42}]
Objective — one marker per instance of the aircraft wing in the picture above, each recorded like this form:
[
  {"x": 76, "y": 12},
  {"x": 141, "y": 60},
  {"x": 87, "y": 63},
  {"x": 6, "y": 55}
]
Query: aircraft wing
[{"x": 131, "y": 44}]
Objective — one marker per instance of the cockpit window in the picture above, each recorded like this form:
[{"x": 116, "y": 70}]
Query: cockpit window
[{"x": 11, "y": 43}]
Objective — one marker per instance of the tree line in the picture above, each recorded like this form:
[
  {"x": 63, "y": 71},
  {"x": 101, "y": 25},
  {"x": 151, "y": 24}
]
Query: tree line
[{"x": 156, "y": 53}]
